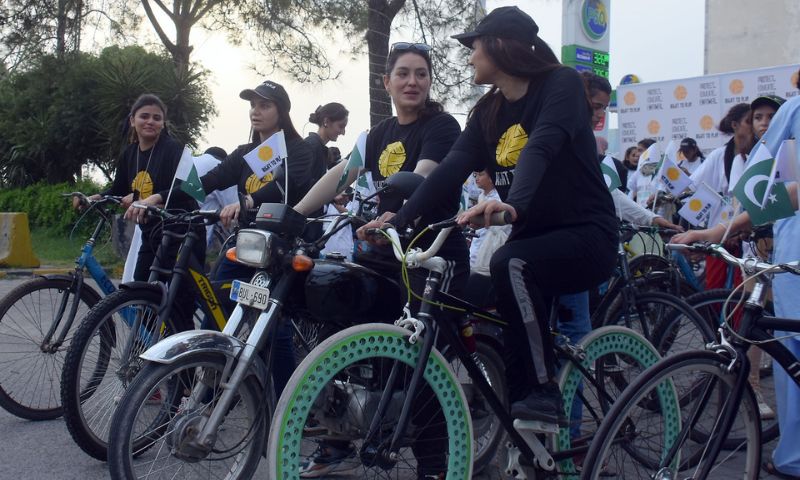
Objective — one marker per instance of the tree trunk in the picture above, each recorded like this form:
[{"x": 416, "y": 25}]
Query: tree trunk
[
  {"x": 61, "y": 28},
  {"x": 379, "y": 23}
]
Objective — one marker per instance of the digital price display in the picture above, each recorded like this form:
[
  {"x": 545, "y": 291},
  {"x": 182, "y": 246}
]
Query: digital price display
[{"x": 600, "y": 59}]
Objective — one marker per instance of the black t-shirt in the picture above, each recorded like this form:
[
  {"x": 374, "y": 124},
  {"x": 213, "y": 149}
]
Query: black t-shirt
[
  {"x": 320, "y": 153},
  {"x": 543, "y": 160},
  {"x": 234, "y": 170},
  {"x": 151, "y": 171},
  {"x": 392, "y": 148}
]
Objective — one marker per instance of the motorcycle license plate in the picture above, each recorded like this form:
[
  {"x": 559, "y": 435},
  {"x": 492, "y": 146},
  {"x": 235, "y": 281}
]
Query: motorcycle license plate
[{"x": 250, "y": 295}]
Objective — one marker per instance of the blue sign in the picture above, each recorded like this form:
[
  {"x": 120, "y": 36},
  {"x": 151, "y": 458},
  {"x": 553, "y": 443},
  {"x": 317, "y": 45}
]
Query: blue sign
[
  {"x": 594, "y": 19},
  {"x": 584, "y": 55}
]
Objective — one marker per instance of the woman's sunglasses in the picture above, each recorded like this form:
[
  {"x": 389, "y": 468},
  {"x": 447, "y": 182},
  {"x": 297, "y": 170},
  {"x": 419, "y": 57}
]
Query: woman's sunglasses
[{"x": 402, "y": 46}]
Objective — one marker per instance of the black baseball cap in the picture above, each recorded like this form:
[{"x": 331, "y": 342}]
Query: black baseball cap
[
  {"x": 688, "y": 143},
  {"x": 270, "y": 91},
  {"x": 503, "y": 22},
  {"x": 771, "y": 100}
]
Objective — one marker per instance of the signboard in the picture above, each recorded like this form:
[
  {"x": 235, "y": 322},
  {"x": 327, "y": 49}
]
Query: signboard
[{"x": 693, "y": 107}]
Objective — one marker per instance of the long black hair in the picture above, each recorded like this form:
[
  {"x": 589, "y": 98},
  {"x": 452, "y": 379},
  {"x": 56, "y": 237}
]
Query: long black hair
[
  {"x": 145, "y": 100},
  {"x": 517, "y": 59},
  {"x": 431, "y": 107}
]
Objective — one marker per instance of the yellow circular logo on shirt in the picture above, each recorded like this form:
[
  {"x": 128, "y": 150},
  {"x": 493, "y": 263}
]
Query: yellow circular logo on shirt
[
  {"x": 510, "y": 145},
  {"x": 253, "y": 183},
  {"x": 392, "y": 159},
  {"x": 143, "y": 184}
]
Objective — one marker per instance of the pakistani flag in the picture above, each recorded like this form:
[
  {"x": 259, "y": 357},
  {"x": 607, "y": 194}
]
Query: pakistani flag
[
  {"x": 785, "y": 167},
  {"x": 610, "y": 174},
  {"x": 187, "y": 178},
  {"x": 356, "y": 160},
  {"x": 751, "y": 190},
  {"x": 649, "y": 161}
]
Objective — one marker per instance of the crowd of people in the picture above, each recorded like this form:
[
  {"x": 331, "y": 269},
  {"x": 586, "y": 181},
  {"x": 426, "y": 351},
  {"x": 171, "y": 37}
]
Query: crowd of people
[{"x": 530, "y": 149}]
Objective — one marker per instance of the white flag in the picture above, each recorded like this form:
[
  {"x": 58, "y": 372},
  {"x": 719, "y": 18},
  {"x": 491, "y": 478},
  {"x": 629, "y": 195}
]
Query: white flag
[
  {"x": 268, "y": 156},
  {"x": 649, "y": 161},
  {"x": 610, "y": 174},
  {"x": 672, "y": 177},
  {"x": 698, "y": 208}
]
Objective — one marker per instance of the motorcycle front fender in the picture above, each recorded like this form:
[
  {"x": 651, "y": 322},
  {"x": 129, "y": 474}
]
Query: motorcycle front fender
[{"x": 181, "y": 344}]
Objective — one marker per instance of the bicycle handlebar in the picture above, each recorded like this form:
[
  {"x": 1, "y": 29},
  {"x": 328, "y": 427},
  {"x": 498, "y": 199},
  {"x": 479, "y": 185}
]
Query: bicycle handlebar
[{"x": 749, "y": 264}]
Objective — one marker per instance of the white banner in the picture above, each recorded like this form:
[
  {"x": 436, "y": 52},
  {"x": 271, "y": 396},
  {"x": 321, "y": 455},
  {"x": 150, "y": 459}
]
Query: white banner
[{"x": 693, "y": 107}]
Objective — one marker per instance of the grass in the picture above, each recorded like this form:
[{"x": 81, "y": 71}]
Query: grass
[{"x": 59, "y": 250}]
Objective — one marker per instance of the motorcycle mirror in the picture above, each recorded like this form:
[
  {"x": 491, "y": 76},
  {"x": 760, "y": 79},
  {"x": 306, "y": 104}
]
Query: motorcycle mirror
[{"x": 404, "y": 183}]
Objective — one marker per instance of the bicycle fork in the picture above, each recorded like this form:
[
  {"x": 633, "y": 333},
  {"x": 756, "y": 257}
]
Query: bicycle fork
[{"x": 48, "y": 345}]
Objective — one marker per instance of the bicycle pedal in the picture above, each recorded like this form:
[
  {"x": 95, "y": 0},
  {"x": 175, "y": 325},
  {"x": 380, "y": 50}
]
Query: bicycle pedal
[{"x": 536, "y": 426}]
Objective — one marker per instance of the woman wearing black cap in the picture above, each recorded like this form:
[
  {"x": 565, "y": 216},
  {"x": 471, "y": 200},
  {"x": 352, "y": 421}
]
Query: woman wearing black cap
[
  {"x": 269, "y": 113},
  {"x": 532, "y": 132}
]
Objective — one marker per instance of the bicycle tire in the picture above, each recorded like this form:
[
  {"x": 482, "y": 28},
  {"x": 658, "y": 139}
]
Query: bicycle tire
[
  {"x": 22, "y": 328},
  {"x": 615, "y": 354},
  {"x": 349, "y": 348},
  {"x": 709, "y": 305},
  {"x": 237, "y": 447},
  {"x": 662, "y": 311},
  {"x": 628, "y": 420},
  {"x": 92, "y": 382}
]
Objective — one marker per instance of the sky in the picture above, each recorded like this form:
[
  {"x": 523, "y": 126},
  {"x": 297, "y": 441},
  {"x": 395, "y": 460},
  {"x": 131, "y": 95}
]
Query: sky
[{"x": 654, "y": 39}]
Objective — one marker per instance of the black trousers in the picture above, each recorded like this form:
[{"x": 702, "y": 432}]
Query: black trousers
[
  {"x": 526, "y": 274},
  {"x": 184, "y": 305}
]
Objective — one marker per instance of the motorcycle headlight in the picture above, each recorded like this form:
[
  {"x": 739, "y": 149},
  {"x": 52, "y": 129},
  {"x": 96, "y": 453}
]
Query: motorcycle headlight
[{"x": 254, "y": 247}]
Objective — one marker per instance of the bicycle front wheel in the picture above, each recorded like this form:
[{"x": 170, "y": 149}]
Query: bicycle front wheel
[
  {"x": 693, "y": 385},
  {"x": 30, "y": 370},
  {"x": 333, "y": 398},
  {"x": 166, "y": 406},
  {"x": 102, "y": 361}
]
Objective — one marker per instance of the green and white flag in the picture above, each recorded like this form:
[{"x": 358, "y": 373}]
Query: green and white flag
[
  {"x": 187, "y": 178},
  {"x": 649, "y": 161},
  {"x": 268, "y": 156},
  {"x": 610, "y": 174},
  {"x": 751, "y": 190},
  {"x": 356, "y": 160}
]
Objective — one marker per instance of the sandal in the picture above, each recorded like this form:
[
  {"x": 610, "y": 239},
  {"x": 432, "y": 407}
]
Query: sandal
[{"x": 769, "y": 467}]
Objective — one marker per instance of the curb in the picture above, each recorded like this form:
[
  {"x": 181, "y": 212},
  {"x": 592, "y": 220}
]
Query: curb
[{"x": 9, "y": 274}]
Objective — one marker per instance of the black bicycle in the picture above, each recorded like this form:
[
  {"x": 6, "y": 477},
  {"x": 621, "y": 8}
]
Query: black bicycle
[
  {"x": 370, "y": 387},
  {"x": 707, "y": 394}
]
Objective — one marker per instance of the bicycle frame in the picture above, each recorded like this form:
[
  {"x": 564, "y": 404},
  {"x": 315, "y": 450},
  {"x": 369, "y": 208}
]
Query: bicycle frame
[
  {"x": 452, "y": 340},
  {"x": 86, "y": 261}
]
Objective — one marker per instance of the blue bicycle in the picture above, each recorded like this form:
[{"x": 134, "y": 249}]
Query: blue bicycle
[{"x": 36, "y": 321}]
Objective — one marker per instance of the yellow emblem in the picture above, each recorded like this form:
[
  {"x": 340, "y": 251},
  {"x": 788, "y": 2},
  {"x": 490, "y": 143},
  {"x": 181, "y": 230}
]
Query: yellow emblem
[
  {"x": 653, "y": 127},
  {"x": 695, "y": 205},
  {"x": 265, "y": 153},
  {"x": 392, "y": 159},
  {"x": 630, "y": 98},
  {"x": 680, "y": 92},
  {"x": 143, "y": 184},
  {"x": 736, "y": 86},
  {"x": 673, "y": 173},
  {"x": 510, "y": 145},
  {"x": 254, "y": 183}
]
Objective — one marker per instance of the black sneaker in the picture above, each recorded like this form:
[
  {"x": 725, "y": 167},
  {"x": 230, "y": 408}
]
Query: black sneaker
[{"x": 544, "y": 404}]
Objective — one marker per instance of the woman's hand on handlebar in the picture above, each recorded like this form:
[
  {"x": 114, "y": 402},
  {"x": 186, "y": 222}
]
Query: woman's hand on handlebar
[
  {"x": 486, "y": 210},
  {"x": 712, "y": 235},
  {"x": 664, "y": 223},
  {"x": 79, "y": 202},
  {"x": 380, "y": 222},
  {"x": 139, "y": 215},
  {"x": 229, "y": 213}
]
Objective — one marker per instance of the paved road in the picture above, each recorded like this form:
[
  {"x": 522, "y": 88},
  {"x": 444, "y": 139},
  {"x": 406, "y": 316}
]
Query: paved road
[{"x": 45, "y": 451}]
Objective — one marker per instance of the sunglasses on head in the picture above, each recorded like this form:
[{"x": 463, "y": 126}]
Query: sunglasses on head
[{"x": 402, "y": 46}]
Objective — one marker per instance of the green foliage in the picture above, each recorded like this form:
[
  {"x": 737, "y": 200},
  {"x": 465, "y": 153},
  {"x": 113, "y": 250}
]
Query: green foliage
[
  {"x": 64, "y": 114},
  {"x": 47, "y": 209}
]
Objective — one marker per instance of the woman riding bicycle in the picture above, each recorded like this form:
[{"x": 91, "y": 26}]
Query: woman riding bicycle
[
  {"x": 531, "y": 130},
  {"x": 416, "y": 140}
]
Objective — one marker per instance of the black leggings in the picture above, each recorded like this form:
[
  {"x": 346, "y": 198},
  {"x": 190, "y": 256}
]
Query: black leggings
[{"x": 527, "y": 273}]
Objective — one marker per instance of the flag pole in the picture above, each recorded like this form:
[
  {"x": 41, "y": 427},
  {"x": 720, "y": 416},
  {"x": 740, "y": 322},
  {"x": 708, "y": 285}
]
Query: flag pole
[{"x": 286, "y": 180}]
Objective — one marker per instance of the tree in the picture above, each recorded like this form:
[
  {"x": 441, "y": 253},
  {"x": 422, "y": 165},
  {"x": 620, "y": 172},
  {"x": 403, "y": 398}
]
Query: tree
[
  {"x": 61, "y": 114},
  {"x": 32, "y": 28}
]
